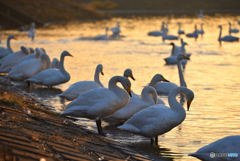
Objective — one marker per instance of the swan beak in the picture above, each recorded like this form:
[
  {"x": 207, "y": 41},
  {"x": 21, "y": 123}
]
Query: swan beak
[
  {"x": 14, "y": 38},
  {"x": 102, "y": 73},
  {"x": 185, "y": 57},
  {"x": 129, "y": 91},
  {"x": 131, "y": 76},
  {"x": 70, "y": 55},
  {"x": 188, "y": 104},
  {"x": 165, "y": 80}
]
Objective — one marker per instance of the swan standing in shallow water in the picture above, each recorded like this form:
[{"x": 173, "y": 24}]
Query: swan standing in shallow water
[
  {"x": 228, "y": 38},
  {"x": 12, "y": 59},
  {"x": 3, "y": 51},
  {"x": 78, "y": 88},
  {"x": 159, "y": 119},
  {"x": 166, "y": 87},
  {"x": 229, "y": 144},
  {"x": 53, "y": 76},
  {"x": 29, "y": 68},
  {"x": 100, "y": 102},
  {"x": 137, "y": 103},
  {"x": 232, "y": 30}
]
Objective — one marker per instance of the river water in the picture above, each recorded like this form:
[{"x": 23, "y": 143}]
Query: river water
[{"x": 213, "y": 74}]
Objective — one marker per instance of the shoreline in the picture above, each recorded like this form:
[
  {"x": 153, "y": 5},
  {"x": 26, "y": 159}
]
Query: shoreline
[{"x": 29, "y": 131}]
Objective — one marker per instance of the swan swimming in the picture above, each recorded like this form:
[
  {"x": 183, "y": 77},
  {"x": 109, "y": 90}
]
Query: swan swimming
[
  {"x": 228, "y": 38},
  {"x": 157, "y": 33},
  {"x": 53, "y": 76},
  {"x": 100, "y": 102},
  {"x": 102, "y": 37},
  {"x": 179, "y": 29},
  {"x": 169, "y": 37},
  {"x": 159, "y": 119},
  {"x": 78, "y": 88},
  {"x": 232, "y": 30},
  {"x": 12, "y": 59},
  {"x": 194, "y": 34},
  {"x": 229, "y": 144},
  {"x": 3, "y": 51},
  {"x": 166, "y": 87},
  {"x": 29, "y": 68},
  {"x": 136, "y": 103}
]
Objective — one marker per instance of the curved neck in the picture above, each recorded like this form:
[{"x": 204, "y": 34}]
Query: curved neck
[
  {"x": 46, "y": 60},
  {"x": 9, "y": 46},
  {"x": 173, "y": 50},
  {"x": 180, "y": 72},
  {"x": 112, "y": 85},
  {"x": 149, "y": 96},
  {"x": 61, "y": 67},
  {"x": 153, "y": 81},
  {"x": 175, "y": 105},
  {"x": 96, "y": 77}
]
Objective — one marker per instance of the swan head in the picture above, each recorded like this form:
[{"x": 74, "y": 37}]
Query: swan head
[
  {"x": 66, "y": 53},
  {"x": 182, "y": 56},
  {"x": 126, "y": 85},
  {"x": 220, "y": 26},
  {"x": 43, "y": 50},
  {"x": 189, "y": 95},
  {"x": 128, "y": 73},
  {"x": 38, "y": 52},
  {"x": 100, "y": 68},
  {"x": 25, "y": 50},
  {"x": 159, "y": 77},
  {"x": 12, "y": 37},
  {"x": 31, "y": 50},
  {"x": 172, "y": 44}
]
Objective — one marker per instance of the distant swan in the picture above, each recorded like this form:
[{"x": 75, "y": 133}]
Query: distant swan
[
  {"x": 194, "y": 34},
  {"x": 179, "y": 29},
  {"x": 228, "y": 38},
  {"x": 116, "y": 31},
  {"x": 232, "y": 30},
  {"x": 12, "y": 59},
  {"x": 55, "y": 63},
  {"x": 53, "y": 76},
  {"x": 201, "y": 31},
  {"x": 78, "y": 88},
  {"x": 102, "y": 37},
  {"x": 159, "y": 119},
  {"x": 136, "y": 103},
  {"x": 100, "y": 102},
  {"x": 165, "y": 87},
  {"x": 169, "y": 37},
  {"x": 29, "y": 68},
  {"x": 226, "y": 145},
  {"x": 3, "y": 51}
]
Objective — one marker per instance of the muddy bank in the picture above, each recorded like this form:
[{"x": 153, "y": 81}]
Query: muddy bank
[{"x": 29, "y": 131}]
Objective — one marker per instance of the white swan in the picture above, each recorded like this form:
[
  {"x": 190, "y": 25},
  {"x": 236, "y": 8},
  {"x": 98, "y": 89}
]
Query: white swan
[
  {"x": 229, "y": 145},
  {"x": 172, "y": 59},
  {"x": 55, "y": 63},
  {"x": 136, "y": 103},
  {"x": 30, "y": 56},
  {"x": 3, "y": 51},
  {"x": 201, "y": 31},
  {"x": 179, "y": 29},
  {"x": 228, "y": 38},
  {"x": 194, "y": 34},
  {"x": 32, "y": 31},
  {"x": 29, "y": 68},
  {"x": 116, "y": 31},
  {"x": 159, "y": 119},
  {"x": 200, "y": 15},
  {"x": 232, "y": 30},
  {"x": 101, "y": 102},
  {"x": 102, "y": 37},
  {"x": 53, "y": 76},
  {"x": 169, "y": 37},
  {"x": 12, "y": 59},
  {"x": 166, "y": 87},
  {"x": 78, "y": 88}
]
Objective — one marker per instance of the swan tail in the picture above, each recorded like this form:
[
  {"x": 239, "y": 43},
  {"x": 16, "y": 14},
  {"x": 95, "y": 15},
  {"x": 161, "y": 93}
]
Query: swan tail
[
  {"x": 129, "y": 127},
  {"x": 75, "y": 111}
]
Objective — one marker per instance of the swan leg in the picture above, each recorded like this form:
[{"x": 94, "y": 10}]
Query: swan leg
[
  {"x": 99, "y": 126},
  {"x": 156, "y": 140},
  {"x": 152, "y": 140}
]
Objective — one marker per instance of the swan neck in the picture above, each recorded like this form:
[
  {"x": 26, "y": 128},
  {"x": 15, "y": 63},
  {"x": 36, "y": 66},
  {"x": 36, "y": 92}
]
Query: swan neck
[
  {"x": 174, "y": 104},
  {"x": 220, "y": 34},
  {"x": 46, "y": 60},
  {"x": 96, "y": 77},
  {"x": 112, "y": 85},
  {"x": 149, "y": 96},
  {"x": 9, "y": 46},
  {"x": 180, "y": 72},
  {"x": 61, "y": 67},
  {"x": 173, "y": 50}
]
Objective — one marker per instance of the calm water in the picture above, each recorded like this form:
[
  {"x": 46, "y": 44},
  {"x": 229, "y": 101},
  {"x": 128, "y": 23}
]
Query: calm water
[{"x": 212, "y": 73}]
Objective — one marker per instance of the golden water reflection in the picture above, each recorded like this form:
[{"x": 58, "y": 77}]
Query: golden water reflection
[{"x": 212, "y": 73}]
